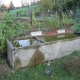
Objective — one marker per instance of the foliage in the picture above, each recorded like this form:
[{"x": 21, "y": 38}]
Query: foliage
[
  {"x": 37, "y": 13},
  {"x": 72, "y": 5},
  {"x": 8, "y": 29},
  {"x": 55, "y": 7},
  {"x": 65, "y": 20},
  {"x": 46, "y": 5},
  {"x": 35, "y": 23},
  {"x": 29, "y": 26},
  {"x": 69, "y": 5},
  {"x": 2, "y": 61},
  {"x": 73, "y": 21},
  {"x": 76, "y": 27},
  {"x": 3, "y": 8},
  {"x": 52, "y": 22},
  {"x": 16, "y": 44},
  {"x": 21, "y": 13}
]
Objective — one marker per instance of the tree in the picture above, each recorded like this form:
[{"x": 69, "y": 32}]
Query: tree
[
  {"x": 11, "y": 6},
  {"x": 46, "y": 5},
  {"x": 3, "y": 8},
  {"x": 37, "y": 2},
  {"x": 24, "y": 3},
  {"x": 73, "y": 5},
  {"x": 75, "y": 8}
]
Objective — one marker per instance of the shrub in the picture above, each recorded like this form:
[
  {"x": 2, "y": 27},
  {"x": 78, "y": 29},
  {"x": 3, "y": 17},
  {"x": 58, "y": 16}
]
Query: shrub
[
  {"x": 37, "y": 13},
  {"x": 52, "y": 23},
  {"x": 76, "y": 27},
  {"x": 35, "y": 24},
  {"x": 65, "y": 20},
  {"x": 8, "y": 29}
]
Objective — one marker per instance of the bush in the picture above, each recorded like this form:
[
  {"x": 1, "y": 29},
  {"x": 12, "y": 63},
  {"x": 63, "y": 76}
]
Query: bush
[
  {"x": 55, "y": 7},
  {"x": 52, "y": 23},
  {"x": 73, "y": 21},
  {"x": 37, "y": 13},
  {"x": 8, "y": 29},
  {"x": 76, "y": 27},
  {"x": 35, "y": 24},
  {"x": 65, "y": 20}
]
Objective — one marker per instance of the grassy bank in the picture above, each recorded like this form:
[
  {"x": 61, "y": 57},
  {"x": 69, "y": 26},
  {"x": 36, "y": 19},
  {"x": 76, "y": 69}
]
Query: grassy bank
[
  {"x": 25, "y": 11},
  {"x": 66, "y": 68}
]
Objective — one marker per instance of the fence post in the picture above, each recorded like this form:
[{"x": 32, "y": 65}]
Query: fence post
[{"x": 31, "y": 18}]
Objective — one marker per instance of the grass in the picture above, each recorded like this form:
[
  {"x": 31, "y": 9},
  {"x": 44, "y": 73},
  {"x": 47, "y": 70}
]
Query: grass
[
  {"x": 65, "y": 68},
  {"x": 24, "y": 10}
]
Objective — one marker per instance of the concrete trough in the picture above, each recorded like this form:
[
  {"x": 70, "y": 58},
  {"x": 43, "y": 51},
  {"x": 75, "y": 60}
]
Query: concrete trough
[{"x": 39, "y": 50}]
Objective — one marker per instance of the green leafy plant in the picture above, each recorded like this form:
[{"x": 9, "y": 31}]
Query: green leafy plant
[
  {"x": 65, "y": 20},
  {"x": 76, "y": 27},
  {"x": 8, "y": 29},
  {"x": 73, "y": 21},
  {"x": 16, "y": 44},
  {"x": 52, "y": 23},
  {"x": 39, "y": 66},
  {"x": 35, "y": 24}
]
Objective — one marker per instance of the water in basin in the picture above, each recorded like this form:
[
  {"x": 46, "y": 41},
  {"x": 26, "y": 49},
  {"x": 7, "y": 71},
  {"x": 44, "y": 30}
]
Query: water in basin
[
  {"x": 48, "y": 38},
  {"x": 23, "y": 43},
  {"x": 59, "y": 37}
]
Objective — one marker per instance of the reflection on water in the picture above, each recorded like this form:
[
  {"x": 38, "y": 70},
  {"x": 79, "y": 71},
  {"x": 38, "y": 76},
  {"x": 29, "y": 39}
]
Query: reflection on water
[
  {"x": 41, "y": 39},
  {"x": 23, "y": 43},
  {"x": 59, "y": 37}
]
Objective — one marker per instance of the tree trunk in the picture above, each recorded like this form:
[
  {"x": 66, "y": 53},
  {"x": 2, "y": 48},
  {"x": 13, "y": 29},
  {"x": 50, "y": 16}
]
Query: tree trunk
[{"x": 31, "y": 18}]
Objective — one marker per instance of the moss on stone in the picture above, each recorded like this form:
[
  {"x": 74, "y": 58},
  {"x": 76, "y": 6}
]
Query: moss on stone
[
  {"x": 37, "y": 58},
  {"x": 17, "y": 64}
]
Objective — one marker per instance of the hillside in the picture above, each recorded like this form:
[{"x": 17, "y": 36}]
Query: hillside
[{"x": 24, "y": 11}]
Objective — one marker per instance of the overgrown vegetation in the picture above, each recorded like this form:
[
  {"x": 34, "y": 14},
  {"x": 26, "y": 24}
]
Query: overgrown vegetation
[
  {"x": 34, "y": 24},
  {"x": 45, "y": 5},
  {"x": 51, "y": 23},
  {"x": 8, "y": 29},
  {"x": 65, "y": 21},
  {"x": 76, "y": 27}
]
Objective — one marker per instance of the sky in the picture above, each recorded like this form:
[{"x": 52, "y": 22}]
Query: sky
[{"x": 17, "y": 3}]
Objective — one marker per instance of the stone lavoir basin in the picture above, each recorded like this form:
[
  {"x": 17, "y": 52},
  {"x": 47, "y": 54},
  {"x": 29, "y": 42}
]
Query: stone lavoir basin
[{"x": 29, "y": 51}]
